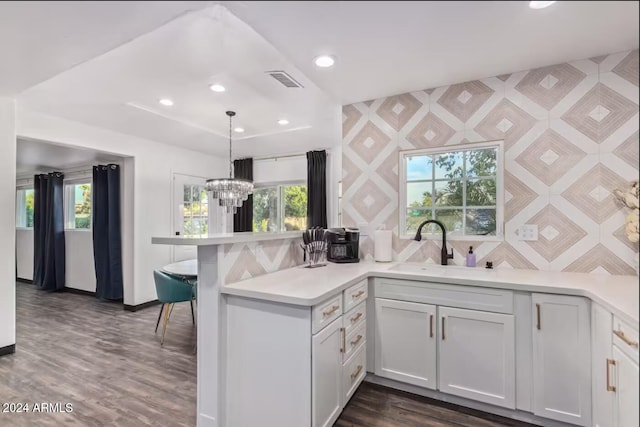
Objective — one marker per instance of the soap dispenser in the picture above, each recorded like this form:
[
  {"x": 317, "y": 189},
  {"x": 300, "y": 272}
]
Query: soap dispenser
[{"x": 471, "y": 258}]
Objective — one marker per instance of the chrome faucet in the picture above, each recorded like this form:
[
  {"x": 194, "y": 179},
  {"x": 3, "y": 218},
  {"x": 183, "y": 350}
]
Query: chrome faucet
[{"x": 444, "y": 255}]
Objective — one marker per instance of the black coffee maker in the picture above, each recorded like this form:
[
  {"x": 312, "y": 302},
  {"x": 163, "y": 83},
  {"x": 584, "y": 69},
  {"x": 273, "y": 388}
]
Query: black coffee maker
[{"x": 342, "y": 245}]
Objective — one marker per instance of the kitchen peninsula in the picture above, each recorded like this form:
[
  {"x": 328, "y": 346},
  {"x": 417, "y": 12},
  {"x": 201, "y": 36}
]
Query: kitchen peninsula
[{"x": 289, "y": 348}]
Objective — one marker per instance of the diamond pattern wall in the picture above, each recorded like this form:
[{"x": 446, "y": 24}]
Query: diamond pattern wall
[
  {"x": 246, "y": 260},
  {"x": 571, "y": 138}
]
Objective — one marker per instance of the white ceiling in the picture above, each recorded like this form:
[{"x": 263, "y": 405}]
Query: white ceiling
[
  {"x": 120, "y": 90},
  {"x": 108, "y": 63},
  {"x": 38, "y": 156},
  {"x": 391, "y": 47},
  {"x": 39, "y": 39}
]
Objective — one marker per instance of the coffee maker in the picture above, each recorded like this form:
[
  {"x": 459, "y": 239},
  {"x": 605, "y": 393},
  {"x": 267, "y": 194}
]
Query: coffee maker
[{"x": 342, "y": 245}]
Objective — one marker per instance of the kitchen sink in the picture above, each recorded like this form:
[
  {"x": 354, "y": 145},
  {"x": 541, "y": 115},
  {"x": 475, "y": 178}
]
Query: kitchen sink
[{"x": 438, "y": 270}]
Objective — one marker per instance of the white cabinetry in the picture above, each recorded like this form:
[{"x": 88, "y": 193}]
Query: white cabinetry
[
  {"x": 326, "y": 374},
  {"x": 625, "y": 377},
  {"x": 601, "y": 392},
  {"x": 296, "y": 365},
  {"x": 626, "y": 402},
  {"x": 561, "y": 358},
  {"x": 477, "y": 355},
  {"x": 406, "y": 342},
  {"x": 338, "y": 356},
  {"x": 464, "y": 352}
]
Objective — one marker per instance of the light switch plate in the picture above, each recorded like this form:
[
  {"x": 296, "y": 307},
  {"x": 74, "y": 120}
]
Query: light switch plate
[{"x": 528, "y": 232}]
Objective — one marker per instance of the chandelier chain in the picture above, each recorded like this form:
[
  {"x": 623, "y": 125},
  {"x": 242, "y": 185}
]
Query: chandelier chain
[{"x": 230, "y": 142}]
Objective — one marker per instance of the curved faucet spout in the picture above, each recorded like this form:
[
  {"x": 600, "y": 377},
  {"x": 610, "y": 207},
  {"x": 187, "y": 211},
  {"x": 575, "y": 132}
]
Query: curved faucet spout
[{"x": 445, "y": 255}]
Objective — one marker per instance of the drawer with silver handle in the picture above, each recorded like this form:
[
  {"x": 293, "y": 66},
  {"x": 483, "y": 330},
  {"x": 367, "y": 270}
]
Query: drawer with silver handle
[{"x": 325, "y": 313}]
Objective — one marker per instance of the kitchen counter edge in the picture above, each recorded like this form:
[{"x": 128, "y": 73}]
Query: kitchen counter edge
[{"x": 599, "y": 295}]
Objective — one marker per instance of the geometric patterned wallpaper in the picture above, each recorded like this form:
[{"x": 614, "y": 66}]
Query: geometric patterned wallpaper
[
  {"x": 247, "y": 260},
  {"x": 570, "y": 135}
]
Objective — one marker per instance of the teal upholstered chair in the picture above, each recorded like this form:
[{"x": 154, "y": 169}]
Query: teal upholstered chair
[{"x": 170, "y": 290}]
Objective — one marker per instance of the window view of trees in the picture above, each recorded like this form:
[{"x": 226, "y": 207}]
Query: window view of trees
[
  {"x": 195, "y": 210},
  {"x": 280, "y": 208},
  {"x": 28, "y": 205},
  {"x": 24, "y": 208},
  {"x": 82, "y": 206},
  {"x": 457, "y": 188}
]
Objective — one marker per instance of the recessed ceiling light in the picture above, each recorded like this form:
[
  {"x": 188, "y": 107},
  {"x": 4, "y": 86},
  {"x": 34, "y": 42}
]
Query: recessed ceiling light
[
  {"x": 540, "y": 4},
  {"x": 283, "y": 122},
  {"x": 238, "y": 130},
  {"x": 166, "y": 102},
  {"x": 324, "y": 61},
  {"x": 217, "y": 87}
]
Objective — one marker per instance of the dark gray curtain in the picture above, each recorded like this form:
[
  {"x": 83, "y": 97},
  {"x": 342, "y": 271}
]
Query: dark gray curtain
[
  {"x": 317, "y": 189},
  {"x": 48, "y": 232},
  {"x": 243, "y": 218},
  {"x": 107, "y": 244}
]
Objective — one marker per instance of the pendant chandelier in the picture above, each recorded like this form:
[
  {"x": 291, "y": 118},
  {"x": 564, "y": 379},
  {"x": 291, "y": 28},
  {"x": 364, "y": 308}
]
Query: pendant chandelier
[{"x": 230, "y": 192}]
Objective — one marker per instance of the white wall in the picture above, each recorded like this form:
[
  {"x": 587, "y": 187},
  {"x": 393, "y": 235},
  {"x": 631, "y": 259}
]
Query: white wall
[
  {"x": 280, "y": 170},
  {"x": 149, "y": 186},
  {"x": 289, "y": 169},
  {"x": 7, "y": 222},
  {"x": 79, "y": 269},
  {"x": 24, "y": 253}
]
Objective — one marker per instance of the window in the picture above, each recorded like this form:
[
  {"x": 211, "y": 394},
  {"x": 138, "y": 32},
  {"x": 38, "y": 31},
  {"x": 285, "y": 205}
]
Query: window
[
  {"x": 280, "y": 208},
  {"x": 24, "y": 208},
  {"x": 77, "y": 200},
  {"x": 461, "y": 187},
  {"x": 195, "y": 210}
]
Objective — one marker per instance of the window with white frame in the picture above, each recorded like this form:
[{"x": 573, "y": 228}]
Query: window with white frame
[
  {"x": 281, "y": 207},
  {"x": 78, "y": 205},
  {"x": 195, "y": 210},
  {"x": 461, "y": 186},
  {"x": 24, "y": 207}
]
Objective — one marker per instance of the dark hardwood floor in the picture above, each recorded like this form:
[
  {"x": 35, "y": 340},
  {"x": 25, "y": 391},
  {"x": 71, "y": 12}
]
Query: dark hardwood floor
[
  {"x": 109, "y": 365},
  {"x": 377, "y": 406},
  {"x": 105, "y": 361}
]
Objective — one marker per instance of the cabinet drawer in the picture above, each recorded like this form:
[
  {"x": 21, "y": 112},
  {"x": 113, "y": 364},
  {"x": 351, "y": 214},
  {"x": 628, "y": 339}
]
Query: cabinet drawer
[
  {"x": 461, "y": 296},
  {"x": 325, "y": 313},
  {"x": 354, "y": 340},
  {"x": 625, "y": 337},
  {"x": 355, "y": 294},
  {"x": 353, "y": 373},
  {"x": 354, "y": 317}
]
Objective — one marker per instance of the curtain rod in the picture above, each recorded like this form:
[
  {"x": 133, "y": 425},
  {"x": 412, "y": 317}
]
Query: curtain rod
[{"x": 288, "y": 155}]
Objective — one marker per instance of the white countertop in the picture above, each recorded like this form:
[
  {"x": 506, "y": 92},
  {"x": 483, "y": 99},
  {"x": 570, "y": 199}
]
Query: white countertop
[
  {"x": 220, "y": 239},
  {"x": 307, "y": 287}
]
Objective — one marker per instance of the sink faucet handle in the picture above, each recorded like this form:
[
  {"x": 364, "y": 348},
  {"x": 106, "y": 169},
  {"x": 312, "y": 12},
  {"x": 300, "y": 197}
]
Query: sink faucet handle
[{"x": 450, "y": 255}]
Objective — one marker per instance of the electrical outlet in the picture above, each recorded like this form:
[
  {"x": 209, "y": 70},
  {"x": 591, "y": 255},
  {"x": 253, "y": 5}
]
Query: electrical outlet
[{"x": 527, "y": 232}]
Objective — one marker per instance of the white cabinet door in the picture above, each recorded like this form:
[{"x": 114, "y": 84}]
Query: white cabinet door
[
  {"x": 602, "y": 396},
  {"x": 406, "y": 342},
  {"x": 626, "y": 405},
  {"x": 477, "y": 355},
  {"x": 561, "y": 358},
  {"x": 326, "y": 375}
]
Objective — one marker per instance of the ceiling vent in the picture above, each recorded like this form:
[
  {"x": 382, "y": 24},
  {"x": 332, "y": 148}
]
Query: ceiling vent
[{"x": 284, "y": 78}]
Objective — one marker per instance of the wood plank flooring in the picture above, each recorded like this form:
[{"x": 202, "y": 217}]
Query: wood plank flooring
[
  {"x": 105, "y": 361},
  {"x": 377, "y": 406},
  {"x": 109, "y": 365}
]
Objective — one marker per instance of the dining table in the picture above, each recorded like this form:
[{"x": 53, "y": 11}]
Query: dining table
[{"x": 187, "y": 269}]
